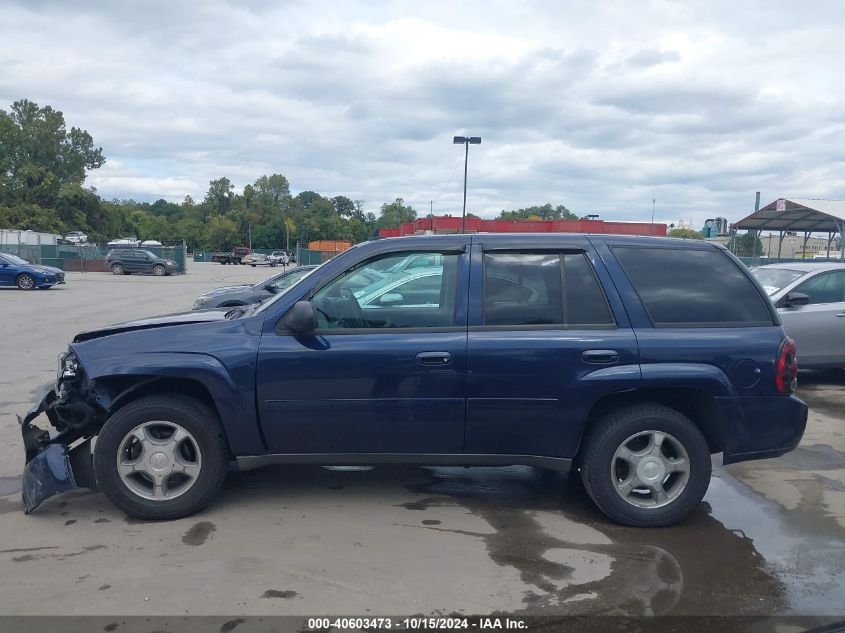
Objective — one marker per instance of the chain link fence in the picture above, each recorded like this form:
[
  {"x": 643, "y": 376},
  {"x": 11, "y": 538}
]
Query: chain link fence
[{"x": 87, "y": 257}]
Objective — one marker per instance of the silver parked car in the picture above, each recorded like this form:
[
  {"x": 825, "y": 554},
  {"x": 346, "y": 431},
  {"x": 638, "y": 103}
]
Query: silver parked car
[{"x": 810, "y": 298}]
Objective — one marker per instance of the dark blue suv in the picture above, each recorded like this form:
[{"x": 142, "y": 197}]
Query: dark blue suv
[{"x": 630, "y": 359}]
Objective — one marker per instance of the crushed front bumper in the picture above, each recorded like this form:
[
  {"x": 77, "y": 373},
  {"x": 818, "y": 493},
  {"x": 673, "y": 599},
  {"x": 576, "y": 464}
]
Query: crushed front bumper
[{"x": 54, "y": 464}]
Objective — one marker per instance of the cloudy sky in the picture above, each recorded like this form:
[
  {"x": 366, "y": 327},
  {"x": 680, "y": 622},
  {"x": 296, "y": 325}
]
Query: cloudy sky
[{"x": 598, "y": 105}]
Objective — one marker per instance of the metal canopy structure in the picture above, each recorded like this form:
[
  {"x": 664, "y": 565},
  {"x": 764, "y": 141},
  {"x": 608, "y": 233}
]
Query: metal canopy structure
[{"x": 799, "y": 215}]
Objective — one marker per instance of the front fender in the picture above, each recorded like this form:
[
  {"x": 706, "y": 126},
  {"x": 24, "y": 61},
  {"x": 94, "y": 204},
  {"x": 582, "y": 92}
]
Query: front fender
[{"x": 231, "y": 389}]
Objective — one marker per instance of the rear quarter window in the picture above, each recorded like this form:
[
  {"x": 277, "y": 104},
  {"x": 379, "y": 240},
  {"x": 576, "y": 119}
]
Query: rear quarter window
[{"x": 689, "y": 288}]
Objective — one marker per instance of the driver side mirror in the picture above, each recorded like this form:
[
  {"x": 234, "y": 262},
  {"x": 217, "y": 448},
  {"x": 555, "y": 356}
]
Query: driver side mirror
[
  {"x": 391, "y": 299},
  {"x": 793, "y": 299},
  {"x": 271, "y": 288},
  {"x": 301, "y": 318}
]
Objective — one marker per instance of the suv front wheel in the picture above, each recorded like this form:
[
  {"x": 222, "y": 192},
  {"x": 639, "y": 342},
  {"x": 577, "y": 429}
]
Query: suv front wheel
[
  {"x": 117, "y": 269},
  {"x": 645, "y": 465},
  {"x": 161, "y": 457}
]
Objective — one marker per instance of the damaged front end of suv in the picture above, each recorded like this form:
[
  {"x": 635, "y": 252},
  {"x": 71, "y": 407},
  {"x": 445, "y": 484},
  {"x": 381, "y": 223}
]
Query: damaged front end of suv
[{"x": 60, "y": 459}]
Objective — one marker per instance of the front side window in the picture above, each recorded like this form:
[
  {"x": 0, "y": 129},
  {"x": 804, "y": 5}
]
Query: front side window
[
  {"x": 554, "y": 289},
  {"x": 286, "y": 281},
  {"x": 370, "y": 296},
  {"x": 689, "y": 288},
  {"x": 825, "y": 288}
]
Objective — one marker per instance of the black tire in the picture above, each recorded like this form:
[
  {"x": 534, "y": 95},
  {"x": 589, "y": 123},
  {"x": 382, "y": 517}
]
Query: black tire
[
  {"x": 611, "y": 431},
  {"x": 159, "y": 270},
  {"x": 25, "y": 281},
  {"x": 118, "y": 269},
  {"x": 253, "y": 265},
  {"x": 200, "y": 421}
]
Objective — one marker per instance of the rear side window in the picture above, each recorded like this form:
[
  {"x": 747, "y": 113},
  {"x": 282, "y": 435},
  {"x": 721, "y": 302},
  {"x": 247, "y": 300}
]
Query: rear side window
[
  {"x": 553, "y": 289},
  {"x": 687, "y": 288}
]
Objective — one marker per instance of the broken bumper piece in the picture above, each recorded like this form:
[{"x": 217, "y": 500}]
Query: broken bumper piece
[{"x": 52, "y": 465}]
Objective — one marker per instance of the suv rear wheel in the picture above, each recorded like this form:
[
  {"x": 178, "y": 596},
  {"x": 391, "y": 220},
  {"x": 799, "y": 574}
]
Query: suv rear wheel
[
  {"x": 646, "y": 465},
  {"x": 161, "y": 457},
  {"x": 117, "y": 269}
]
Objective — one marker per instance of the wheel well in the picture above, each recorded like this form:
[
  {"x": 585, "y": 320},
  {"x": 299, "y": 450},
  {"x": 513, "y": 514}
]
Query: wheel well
[
  {"x": 696, "y": 405},
  {"x": 126, "y": 389}
]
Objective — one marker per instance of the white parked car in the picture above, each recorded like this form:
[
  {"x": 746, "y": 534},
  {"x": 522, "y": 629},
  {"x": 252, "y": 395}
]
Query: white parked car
[
  {"x": 810, "y": 298},
  {"x": 258, "y": 259},
  {"x": 124, "y": 241},
  {"x": 76, "y": 237},
  {"x": 280, "y": 257}
]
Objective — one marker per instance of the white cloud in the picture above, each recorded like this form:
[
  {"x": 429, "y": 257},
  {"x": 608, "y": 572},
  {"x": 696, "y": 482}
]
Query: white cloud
[{"x": 597, "y": 105}]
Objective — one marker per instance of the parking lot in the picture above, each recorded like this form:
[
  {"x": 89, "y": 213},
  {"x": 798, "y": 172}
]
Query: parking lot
[{"x": 769, "y": 537}]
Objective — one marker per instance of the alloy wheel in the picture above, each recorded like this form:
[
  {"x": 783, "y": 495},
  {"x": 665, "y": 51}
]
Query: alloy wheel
[
  {"x": 650, "y": 469},
  {"x": 159, "y": 460}
]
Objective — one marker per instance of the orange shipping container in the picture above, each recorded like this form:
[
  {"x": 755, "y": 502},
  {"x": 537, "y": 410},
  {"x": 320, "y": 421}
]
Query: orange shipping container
[{"x": 329, "y": 245}]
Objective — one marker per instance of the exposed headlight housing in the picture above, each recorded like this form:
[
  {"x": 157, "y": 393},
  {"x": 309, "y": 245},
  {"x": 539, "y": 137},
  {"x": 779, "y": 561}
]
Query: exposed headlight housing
[{"x": 69, "y": 368}]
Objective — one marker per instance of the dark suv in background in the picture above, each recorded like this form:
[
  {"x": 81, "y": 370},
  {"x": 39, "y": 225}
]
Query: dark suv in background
[
  {"x": 125, "y": 261},
  {"x": 630, "y": 359}
]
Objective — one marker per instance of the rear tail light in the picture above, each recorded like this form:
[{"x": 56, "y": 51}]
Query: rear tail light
[{"x": 786, "y": 376}]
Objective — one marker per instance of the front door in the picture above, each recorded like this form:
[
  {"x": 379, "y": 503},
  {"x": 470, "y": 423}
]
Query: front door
[
  {"x": 385, "y": 371},
  {"x": 819, "y": 327},
  {"x": 539, "y": 332}
]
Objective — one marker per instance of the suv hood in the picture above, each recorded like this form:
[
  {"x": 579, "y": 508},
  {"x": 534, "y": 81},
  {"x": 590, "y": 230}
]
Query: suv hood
[{"x": 161, "y": 321}]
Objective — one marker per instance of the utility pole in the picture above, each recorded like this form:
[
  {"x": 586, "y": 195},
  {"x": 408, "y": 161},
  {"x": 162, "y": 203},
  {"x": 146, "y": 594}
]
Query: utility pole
[
  {"x": 431, "y": 214},
  {"x": 653, "y": 201}
]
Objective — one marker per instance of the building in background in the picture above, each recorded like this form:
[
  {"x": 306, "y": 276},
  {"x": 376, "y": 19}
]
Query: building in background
[{"x": 448, "y": 225}]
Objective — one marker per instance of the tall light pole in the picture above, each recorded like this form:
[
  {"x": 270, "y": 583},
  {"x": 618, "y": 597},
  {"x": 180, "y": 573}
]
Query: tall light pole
[
  {"x": 466, "y": 141},
  {"x": 431, "y": 214},
  {"x": 653, "y": 201}
]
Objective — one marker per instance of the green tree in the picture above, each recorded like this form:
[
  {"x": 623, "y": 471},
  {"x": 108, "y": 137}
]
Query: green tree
[
  {"x": 221, "y": 234},
  {"x": 394, "y": 214},
  {"x": 220, "y": 195},
  {"x": 749, "y": 245},
  {"x": 39, "y": 156},
  {"x": 542, "y": 212},
  {"x": 690, "y": 234}
]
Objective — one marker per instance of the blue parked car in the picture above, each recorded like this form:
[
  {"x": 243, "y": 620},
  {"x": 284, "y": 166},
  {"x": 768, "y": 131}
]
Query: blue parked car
[
  {"x": 15, "y": 271},
  {"x": 630, "y": 360}
]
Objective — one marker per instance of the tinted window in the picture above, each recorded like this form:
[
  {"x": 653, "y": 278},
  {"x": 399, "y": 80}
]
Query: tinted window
[
  {"x": 367, "y": 296},
  {"x": 685, "y": 287},
  {"x": 825, "y": 288},
  {"x": 585, "y": 302},
  {"x": 522, "y": 289},
  {"x": 533, "y": 289}
]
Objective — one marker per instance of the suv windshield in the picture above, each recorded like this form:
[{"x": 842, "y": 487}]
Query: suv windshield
[{"x": 773, "y": 279}]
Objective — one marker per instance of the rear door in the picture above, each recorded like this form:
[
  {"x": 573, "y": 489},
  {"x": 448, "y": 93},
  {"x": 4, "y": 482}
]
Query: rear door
[
  {"x": 819, "y": 328},
  {"x": 542, "y": 333},
  {"x": 700, "y": 318}
]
